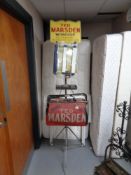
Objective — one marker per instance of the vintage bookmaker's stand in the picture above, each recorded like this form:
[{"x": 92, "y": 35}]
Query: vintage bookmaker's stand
[{"x": 67, "y": 109}]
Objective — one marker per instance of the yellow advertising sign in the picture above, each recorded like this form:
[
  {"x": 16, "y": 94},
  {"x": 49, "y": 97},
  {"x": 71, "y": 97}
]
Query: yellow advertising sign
[{"x": 65, "y": 31}]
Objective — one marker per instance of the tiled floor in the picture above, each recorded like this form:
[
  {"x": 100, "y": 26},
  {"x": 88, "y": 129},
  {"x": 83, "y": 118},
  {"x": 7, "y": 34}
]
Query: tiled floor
[{"x": 49, "y": 160}]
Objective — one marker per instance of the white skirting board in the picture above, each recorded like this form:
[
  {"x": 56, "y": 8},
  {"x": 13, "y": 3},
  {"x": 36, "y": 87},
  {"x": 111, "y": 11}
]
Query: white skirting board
[
  {"x": 124, "y": 85},
  {"x": 105, "y": 72},
  {"x": 49, "y": 81}
]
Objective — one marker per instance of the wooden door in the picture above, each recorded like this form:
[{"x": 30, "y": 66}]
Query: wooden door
[
  {"x": 6, "y": 164},
  {"x": 19, "y": 119}
]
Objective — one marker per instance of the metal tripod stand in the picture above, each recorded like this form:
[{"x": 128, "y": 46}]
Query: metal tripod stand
[{"x": 66, "y": 128}]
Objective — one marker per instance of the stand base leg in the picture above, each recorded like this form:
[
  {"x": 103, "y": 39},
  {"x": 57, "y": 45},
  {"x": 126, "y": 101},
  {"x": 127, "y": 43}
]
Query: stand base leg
[
  {"x": 83, "y": 135},
  {"x": 51, "y": 136}
]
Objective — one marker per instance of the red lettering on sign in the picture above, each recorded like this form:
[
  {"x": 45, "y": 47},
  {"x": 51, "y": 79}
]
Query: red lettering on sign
[
  {"x": 65, "y": 29},
  {"x": 53, "y": 29},
  {"x": 78, "y": 30}
]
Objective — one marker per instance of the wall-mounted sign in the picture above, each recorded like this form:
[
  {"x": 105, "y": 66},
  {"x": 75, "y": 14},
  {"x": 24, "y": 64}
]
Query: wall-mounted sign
[{"x": 65, "y": 31}]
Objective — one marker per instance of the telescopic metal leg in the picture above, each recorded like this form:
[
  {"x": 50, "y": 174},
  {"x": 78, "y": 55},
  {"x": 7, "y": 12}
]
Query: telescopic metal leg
[
  {"x": 83, "y": 136},
  {"x": 51, "y": 136},
  {"x": 65, "y": 150}
]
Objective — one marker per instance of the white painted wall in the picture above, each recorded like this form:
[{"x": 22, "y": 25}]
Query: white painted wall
[
  {"x": 92, "y": 30},
  {"x": 37, "y": 19},
  {"x": 38, "y": 39}
]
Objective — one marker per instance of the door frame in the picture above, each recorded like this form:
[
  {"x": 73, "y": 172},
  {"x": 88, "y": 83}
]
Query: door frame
[{"x": 17, "y": 11}]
